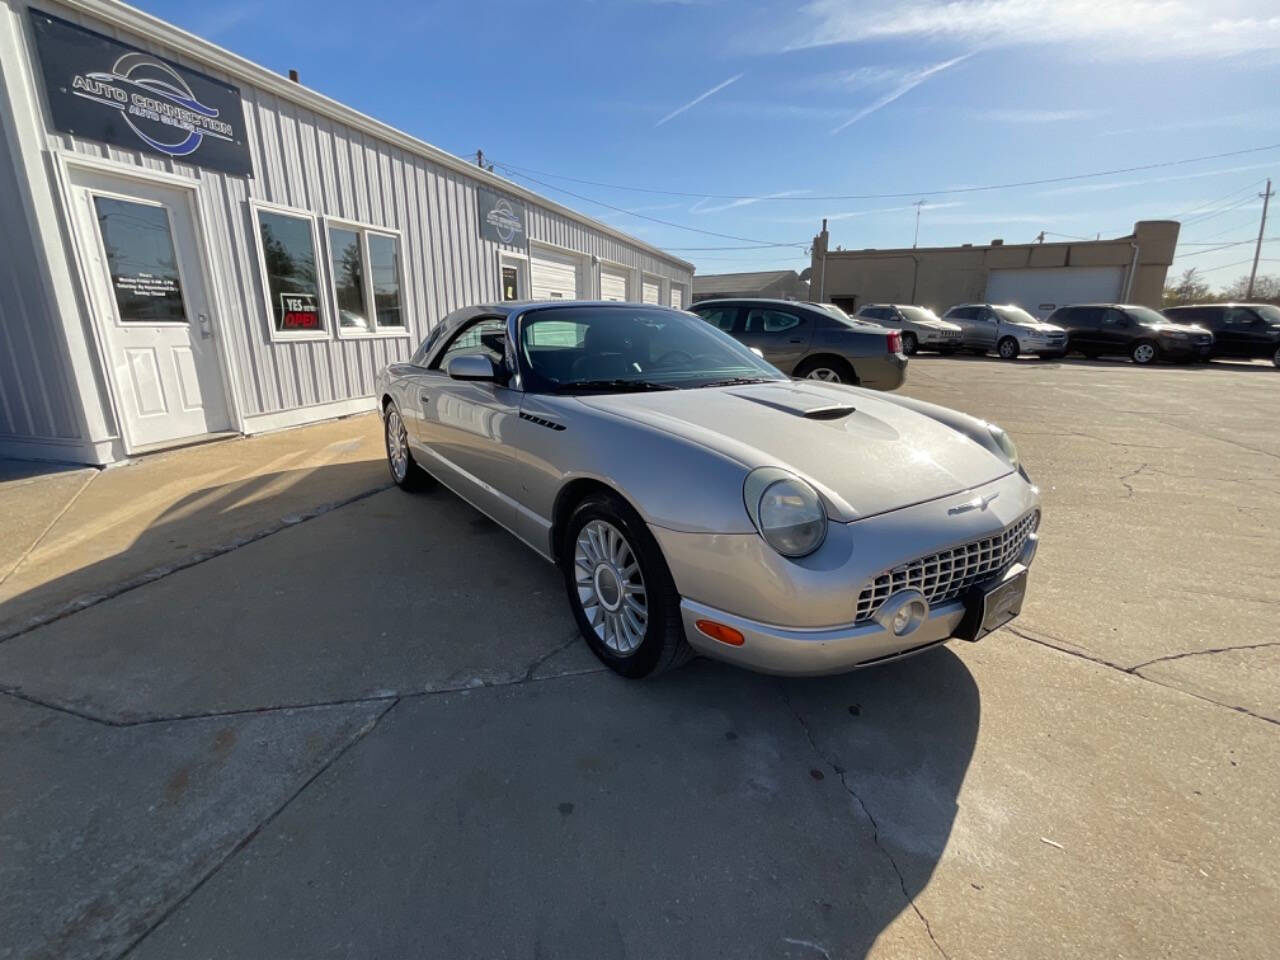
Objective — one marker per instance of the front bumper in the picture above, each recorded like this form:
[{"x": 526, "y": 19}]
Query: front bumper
[
  {"x": 1043, "y": 345},
  {"x": 1184, "y": 348},
  {"x": 810, "y": 653}
]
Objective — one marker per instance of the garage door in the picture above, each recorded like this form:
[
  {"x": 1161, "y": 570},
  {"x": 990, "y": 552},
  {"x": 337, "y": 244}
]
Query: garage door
[
  {"x": 649, "y": 291},
  {"x": 1041, "y": 291},
  {"x": 613, "y": 284},
  {"x": 554, "y": 276},
  {"x": 677, "y": 297}
]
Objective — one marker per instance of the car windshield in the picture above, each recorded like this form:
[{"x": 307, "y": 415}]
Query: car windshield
[
  {"x": 1014, "y": 314},
  {"x": 625, "y": 348},
  {"x": 918, "y": 314},
  {"x": 1147, "y": 315}
]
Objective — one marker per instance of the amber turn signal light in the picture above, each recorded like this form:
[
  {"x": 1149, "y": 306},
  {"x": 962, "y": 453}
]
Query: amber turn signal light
[{"x": 718, "y": 631}]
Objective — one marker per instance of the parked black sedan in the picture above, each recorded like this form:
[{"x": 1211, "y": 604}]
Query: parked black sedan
[
  {"x": 1240, "y": 330},
  {"x": 812, "y": 341},
  {"x": 1141, "y": 333}
]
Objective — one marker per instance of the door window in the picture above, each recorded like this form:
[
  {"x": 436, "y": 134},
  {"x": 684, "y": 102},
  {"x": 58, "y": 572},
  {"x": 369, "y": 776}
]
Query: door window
[
  {"x": 722, "y": 317},
  {"x": 1115, "y": 319},
  {"x": 289, "y": 253},
  {"x": 484, "y": 338},
  {"x": 960, "y": 313},
  {"x": 1241, "y": 317},
  {"x": 510, "y": 283},
  {"x": 141, "y": 260},
  {"x": 770, "y": 321}
]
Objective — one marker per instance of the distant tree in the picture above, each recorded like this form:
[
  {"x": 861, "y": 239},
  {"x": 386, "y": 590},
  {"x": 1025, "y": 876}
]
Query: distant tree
[
  {"x": 1265, "y": 290},
  {"x": 1188, "y": 288}
]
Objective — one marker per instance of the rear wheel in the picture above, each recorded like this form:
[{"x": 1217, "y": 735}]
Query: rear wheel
[
  {"x": 620, "y": 589},
  {"x": 1144, "y": 352},
  {"x": 909, "y": 344},
  {"x": 405, "y": 471},
  {"x": 1008, "y": 348},
  {"x": 830, "y": 369}
]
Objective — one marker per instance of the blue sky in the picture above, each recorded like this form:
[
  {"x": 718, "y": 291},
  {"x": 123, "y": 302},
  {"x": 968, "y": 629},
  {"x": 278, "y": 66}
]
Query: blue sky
[{"x": 809, "y": 99}]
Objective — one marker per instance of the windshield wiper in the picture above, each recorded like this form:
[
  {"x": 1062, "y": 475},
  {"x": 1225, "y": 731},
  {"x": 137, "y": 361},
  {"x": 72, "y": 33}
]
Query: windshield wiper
[
  {"x": 619, "y": 385},
  {"x": 738, "y": 381}
]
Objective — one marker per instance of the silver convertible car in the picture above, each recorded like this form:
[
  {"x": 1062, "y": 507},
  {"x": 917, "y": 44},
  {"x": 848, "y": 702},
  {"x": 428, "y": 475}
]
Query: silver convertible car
[{"x": 697, "y": 500}]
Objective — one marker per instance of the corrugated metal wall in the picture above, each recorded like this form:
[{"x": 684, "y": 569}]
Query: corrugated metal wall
[
  {"x": 36, "y": 399},
  {"x": 308, "y": 161}
]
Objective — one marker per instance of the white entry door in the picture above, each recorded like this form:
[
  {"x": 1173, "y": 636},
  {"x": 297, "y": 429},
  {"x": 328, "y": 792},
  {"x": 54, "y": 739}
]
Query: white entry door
[
  {"x": 554, "y": 276},
  {"x": 151, "y": 299}
]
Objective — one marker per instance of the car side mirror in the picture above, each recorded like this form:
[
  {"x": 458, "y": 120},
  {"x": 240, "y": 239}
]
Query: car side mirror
[{"x": 473, "y": 367}]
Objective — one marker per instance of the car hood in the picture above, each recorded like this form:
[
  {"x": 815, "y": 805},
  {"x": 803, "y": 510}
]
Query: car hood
[
  {"x": 1176, "y": 327},
  {"x": 937, "y": 324},
  {"x": 866, "y": 455}
]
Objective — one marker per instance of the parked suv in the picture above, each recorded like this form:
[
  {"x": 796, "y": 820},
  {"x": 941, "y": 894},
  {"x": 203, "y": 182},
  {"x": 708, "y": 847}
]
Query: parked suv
[
  {"x": 812, "y": 341},
  {"x": 1006, "y": 329},
  {"x": 1140, "y": 332},
  {"x": 920, "y": 326},
  {"x": 1239, "y": 329}
]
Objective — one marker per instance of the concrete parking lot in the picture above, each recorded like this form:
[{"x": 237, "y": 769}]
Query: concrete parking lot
[{"x": 371, "y": 731}]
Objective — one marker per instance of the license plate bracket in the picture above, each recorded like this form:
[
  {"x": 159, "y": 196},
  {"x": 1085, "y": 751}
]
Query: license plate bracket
[{"x": 990, "y": 609}]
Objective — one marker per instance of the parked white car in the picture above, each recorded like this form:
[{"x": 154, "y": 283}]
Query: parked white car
[
  {"x": 1007, "y": 329},
  {"x": 921, "y": 328}
]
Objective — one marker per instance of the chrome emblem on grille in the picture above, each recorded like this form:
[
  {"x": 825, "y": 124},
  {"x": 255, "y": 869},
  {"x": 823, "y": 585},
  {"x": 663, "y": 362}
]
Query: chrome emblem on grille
[{"x": 977, "y": 503}]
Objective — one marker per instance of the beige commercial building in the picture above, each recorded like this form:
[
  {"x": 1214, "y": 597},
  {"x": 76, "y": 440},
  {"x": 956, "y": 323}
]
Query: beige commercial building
[{"x": 1036, "y": 276}]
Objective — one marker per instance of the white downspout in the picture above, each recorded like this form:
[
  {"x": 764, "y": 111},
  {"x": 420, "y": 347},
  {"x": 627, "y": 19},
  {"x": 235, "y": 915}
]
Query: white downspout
[{"x": 1133, "y": 269}]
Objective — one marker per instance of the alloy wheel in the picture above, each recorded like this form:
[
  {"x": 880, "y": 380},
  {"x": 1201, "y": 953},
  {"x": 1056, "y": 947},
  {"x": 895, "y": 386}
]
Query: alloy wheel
[
  {"x": 1144, "y": 353},
  {"x": 823, "y": 373},
  {"x": 610, "y": 586},
  {"x": 1008, "y": 349},
  {"x": 397, "y": 446}
]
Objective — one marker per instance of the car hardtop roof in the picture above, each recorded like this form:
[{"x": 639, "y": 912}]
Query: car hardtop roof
[
  {"x": 780, "y": 302},
  {"x": 1230, "y": 303}
]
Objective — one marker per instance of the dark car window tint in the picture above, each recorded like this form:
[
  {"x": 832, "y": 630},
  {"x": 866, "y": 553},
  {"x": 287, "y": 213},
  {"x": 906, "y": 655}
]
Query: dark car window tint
[
  {"x": 485, "y": 338},
  {"x": 1241, "y": 317},
  {"x": 874, "y": 313},
  {"x": 1115, "y": 318},
  {"x": 770, "y": 321},
  {"x": 961, "y": 313},
  {"x": 721, "y": 317}
]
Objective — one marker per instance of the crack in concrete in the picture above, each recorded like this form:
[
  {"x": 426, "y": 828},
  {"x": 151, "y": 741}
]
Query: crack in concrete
[
  {"x": 543, "y": 658},
  {"x": 248, "y": 838},
  {"x": 18, "y": 694},
  {"x": 1203, "y": 653},
  {"x": 200, "y": 556},
  {"x": 1065, "y": 647},
  {"x": 839, "y": 771},
  {"x": 48, "y": 527}
]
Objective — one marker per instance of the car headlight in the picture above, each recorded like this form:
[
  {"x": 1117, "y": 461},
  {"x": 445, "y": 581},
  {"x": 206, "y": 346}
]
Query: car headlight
[
  {"x": 787, "y": 511},
  {"x": 1006, "y": 445}
]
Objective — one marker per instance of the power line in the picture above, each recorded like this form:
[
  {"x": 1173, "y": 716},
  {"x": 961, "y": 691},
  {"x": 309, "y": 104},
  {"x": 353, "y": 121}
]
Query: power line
[
  {"x": 1225, "y": 246},
  {"x": 1210, "y": 203},
  {"x": 1219, "y": 212},
  {"x": 891, "y": 196},
  {"x": 667, "y": 223},
  {"x": 1224, "y": 266}
]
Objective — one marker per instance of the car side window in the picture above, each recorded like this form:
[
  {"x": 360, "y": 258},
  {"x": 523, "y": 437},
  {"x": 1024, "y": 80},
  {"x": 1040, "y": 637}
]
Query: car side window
[
  {"x": 873, "y": 313},
  {"x": 486, "y": 337},
  {"x": 1114, "y": 318},
  {"x": 770, "y": 321},
  {"x": 722, "y": 317},
  {"x": 1241, "y": 317}
]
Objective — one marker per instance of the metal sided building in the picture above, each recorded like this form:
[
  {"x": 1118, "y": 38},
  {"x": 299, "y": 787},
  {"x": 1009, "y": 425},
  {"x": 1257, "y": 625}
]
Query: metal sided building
[{"x": 193, "y": 245}]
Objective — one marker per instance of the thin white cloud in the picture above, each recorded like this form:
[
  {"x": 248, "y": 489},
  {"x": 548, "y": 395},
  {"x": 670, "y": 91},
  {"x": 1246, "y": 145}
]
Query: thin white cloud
[
  {"x": 698, "y": 99},
  {"x": 851, "y": 214},
  {"x": 701, "y": 205},
  {"x": 912, "y": 81},
  {"x": 1029, "y": 116},
  {"x": 1149, "y": 29}
]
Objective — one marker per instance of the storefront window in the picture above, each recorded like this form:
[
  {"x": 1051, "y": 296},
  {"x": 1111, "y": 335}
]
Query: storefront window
[
  {"x": 384, "y": 267},
  {"x": 143, "y": 265},
  {"x": 288, "y": 249},
  {"x": 348, "y": 279}
]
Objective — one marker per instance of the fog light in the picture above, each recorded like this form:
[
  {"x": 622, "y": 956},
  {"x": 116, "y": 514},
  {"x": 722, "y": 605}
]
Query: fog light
[{"x": 903, "y": 612}]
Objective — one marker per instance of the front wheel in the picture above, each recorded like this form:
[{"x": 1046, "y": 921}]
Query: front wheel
[
  {"x": 1275, "y": 358},
  {"x": 620, "y": 589},
  {"x": 909, "y": 344},
  {"x": 405, "y": 471},
  {"x": 1144, "y": 352},
  {"x": 1008, "y": 349}
]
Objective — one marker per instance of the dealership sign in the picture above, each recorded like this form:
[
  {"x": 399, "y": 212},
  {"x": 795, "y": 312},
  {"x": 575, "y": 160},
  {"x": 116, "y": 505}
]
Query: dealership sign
[
  {"x": 105, "y": 90},
  {"x": 501, "y": 220}
]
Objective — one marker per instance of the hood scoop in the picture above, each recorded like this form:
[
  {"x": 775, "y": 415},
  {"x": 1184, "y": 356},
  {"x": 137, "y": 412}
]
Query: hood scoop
[{"x": 796, "y": 400}]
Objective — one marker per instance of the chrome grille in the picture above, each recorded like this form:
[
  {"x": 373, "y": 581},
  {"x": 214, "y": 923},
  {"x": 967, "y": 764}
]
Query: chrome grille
[{"x": 945, "y": 575}]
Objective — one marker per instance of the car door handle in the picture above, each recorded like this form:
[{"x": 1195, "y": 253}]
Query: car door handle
[
  {"x": 425, "y": 398},
  {"x": 797, "y": 340}
]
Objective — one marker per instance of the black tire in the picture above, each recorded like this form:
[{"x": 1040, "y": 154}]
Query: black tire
[
  {"x": 413, "y": 478},
  {"x": 1144, "y": 353},
  {"x": 1275, "y": 358},
  {"x": 1008, "y": 348},
  {"x": 910, "y": 344},
  {"x": 978, "y": 351},
  {"x": 947, "y": 351},
  {"x": 838, "y": 366},
  {"x": 662, "y": 645},
  {"x": 1053, "y": 356}
]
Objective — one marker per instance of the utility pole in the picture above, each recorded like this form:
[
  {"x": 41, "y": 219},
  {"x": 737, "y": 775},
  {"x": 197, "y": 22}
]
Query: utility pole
[
  {"x": 919, "y": 204},
  {"x": 1262, "y": 227},
  {"x": 480, "y": 158},
  {"x": 1040, "y": 238}
]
